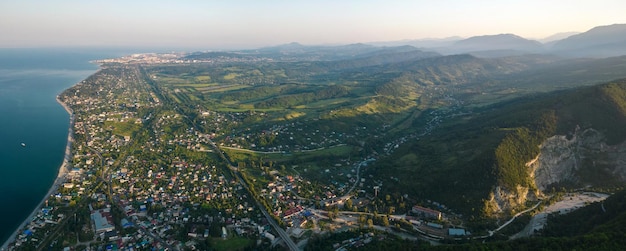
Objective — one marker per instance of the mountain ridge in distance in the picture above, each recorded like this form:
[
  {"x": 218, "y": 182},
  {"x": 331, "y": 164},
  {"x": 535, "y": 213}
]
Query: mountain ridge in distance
[
  {"x": 597, "y": 35},
  {"x": 557, "y": 37},
  {"x": 600, "y": 41},
  {"x": 426, "y": 43},
  {"x": 498, "y": 42},
  {"x": 498, "y": 45}
]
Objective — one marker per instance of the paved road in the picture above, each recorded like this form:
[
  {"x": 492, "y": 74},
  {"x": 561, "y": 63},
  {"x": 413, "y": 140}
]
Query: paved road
[
  {"x": 358, "y": 178},
  {"x": 514, "y": 217},
  {"x": 281, "y": 232},
  {"x": 509, "y": 221}
]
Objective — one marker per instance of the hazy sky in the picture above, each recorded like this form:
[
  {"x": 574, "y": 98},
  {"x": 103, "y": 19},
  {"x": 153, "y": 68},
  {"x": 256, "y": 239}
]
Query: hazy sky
[{"x": 227, "y": 24}]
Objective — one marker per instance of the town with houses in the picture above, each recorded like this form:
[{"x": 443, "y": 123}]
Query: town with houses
[{"x": 141, "y": 175}]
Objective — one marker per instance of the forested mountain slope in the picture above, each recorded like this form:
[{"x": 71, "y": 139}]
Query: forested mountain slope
[{"x": 479, "y": 163}]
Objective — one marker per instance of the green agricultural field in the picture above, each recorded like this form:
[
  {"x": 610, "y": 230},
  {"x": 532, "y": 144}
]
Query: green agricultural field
[
  {"x": 204, "y": 78},
  {"x": 310, "y": 164},
  {"x": 215, "y": 88},
  {"x": 244, "y": 154},
  {"x": 123, "y": 128},
  {"x": 192, "y": 85},
  {"x": 231, "y": 76},
  {"x": 233, "y": 243},
  {"x": 328, "y": 103}
]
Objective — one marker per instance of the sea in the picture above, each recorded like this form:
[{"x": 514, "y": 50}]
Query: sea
[{"x": 33, "y": 126}]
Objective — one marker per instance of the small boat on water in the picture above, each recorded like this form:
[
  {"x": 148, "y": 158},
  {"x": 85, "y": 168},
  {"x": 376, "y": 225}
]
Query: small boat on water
[{"x": 23, "y": 144}]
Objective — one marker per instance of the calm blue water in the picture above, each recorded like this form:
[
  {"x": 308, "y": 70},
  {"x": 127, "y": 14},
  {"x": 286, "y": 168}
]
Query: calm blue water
[{"x": 30, "y": 80}]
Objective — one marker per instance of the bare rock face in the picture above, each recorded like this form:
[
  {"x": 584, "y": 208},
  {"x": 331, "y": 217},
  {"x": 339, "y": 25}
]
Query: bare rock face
[
  {"x": 582, "y": 159},
  {"x": 558, "y": 161},
  {"x": 501, "y": 200},
  {"x": 578, "y": 160}
]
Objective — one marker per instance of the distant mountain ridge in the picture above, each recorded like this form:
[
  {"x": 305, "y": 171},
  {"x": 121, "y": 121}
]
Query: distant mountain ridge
[
  {"x": 421, "y": 43},
  {"x": 609, "y": 34},
  {"x": 556, "y": 37},
  {"x": 497, "y": 42},
  {"x": 342, "y": 56},
  {"x": 601, "y": 41},
  {"x": 598, "y": 42},
  {"x": 500, "y": 45}
]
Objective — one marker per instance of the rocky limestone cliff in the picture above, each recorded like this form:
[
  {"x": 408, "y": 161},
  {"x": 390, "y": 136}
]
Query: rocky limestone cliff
[
  {"x": 583, "y": 160},
  {"x": 500, "y": 200}
]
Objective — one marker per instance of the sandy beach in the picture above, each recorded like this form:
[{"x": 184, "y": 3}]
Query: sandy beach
[{"x": 63, "y": 171}]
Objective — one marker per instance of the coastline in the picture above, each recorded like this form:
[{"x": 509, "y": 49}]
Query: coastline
[{"x": 64, "y": 169}]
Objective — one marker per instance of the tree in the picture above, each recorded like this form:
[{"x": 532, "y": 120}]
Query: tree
[
  {"x": 385, "y": 220},
  {"x": 348, "y": 204},
  {"x": 362, "y": 220},
  {"x": 330, "y": 215}
]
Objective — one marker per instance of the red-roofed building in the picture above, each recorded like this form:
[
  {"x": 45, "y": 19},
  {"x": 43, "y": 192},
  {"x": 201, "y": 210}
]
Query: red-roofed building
[
  {"x": 427, "y": 212},
  {"x": 292, "y": 211}
]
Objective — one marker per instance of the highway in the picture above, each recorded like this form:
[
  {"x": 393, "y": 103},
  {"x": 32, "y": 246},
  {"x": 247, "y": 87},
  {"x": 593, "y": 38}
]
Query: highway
[{"x": 281, "y": 232}]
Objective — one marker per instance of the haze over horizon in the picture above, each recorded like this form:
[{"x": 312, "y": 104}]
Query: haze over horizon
[{"x": 251, "y": 24}]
